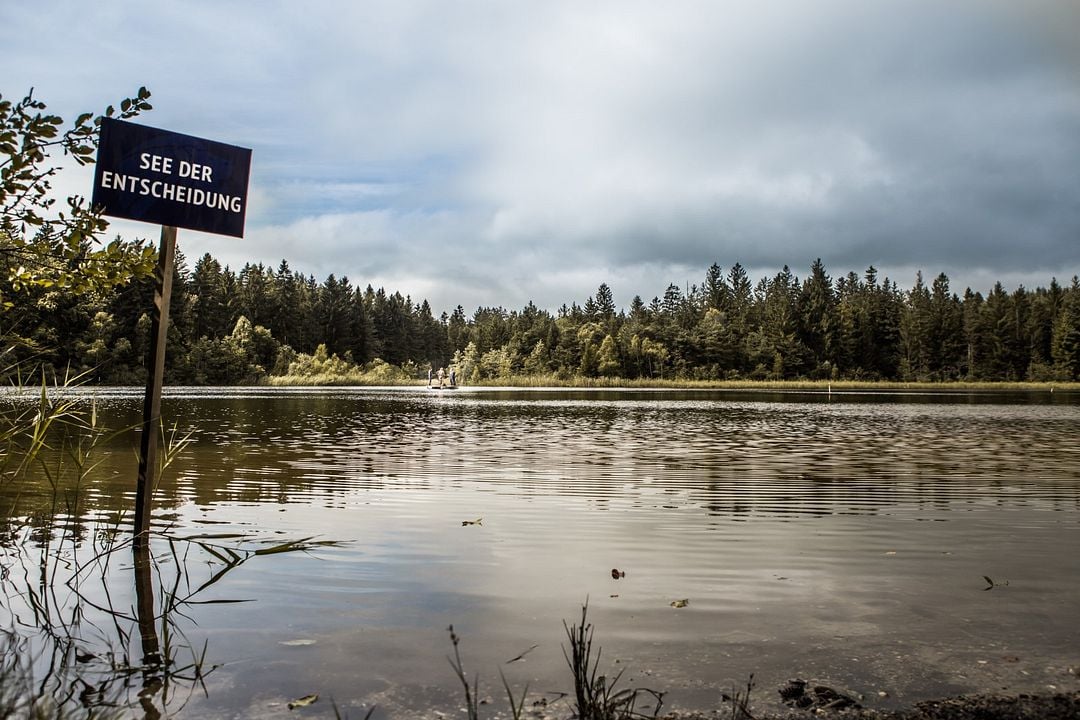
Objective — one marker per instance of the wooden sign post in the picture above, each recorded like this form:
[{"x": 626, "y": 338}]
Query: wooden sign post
[{"x": 155, "y": 366}]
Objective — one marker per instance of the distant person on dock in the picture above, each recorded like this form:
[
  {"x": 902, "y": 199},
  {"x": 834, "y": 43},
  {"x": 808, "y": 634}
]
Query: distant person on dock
[
  {"x": 442, "y": 376},
  {"x": 453, "y": 378},
  {"x": 429, "y": 376}
]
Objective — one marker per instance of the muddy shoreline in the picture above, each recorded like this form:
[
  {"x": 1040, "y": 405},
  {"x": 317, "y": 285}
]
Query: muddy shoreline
[{"x": 1010, "y": 706}]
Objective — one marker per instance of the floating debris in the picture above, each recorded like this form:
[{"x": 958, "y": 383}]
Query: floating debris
[
  {"x": 616, "y": 573},
  {"x": 303, "y": 702},
  {"x": 477, "y": 521},
  {"x": 680, "y": 603},
  {"x": 522, "y": 655}
]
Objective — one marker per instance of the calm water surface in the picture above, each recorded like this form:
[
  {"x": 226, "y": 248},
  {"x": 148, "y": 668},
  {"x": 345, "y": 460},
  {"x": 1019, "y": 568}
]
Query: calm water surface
[{"x": 843, "y": 538}]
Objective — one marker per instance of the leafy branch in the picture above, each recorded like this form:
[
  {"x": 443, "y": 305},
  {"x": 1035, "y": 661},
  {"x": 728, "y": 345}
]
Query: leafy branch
[{"x": 42, "y": 246}]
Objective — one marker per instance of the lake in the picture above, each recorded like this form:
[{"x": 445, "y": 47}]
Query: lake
[{"x": 898, "y": 546}]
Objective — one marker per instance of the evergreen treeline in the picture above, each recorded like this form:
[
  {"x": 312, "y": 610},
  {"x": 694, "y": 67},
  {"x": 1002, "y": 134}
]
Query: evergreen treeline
[{"x": 236, "y": 328}]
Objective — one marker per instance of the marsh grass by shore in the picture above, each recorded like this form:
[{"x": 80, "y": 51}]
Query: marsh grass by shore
[
  {"x": 383, "y": 378},
  {"x": 758, "y": 385},
  {"x": 595, "y": 696}
]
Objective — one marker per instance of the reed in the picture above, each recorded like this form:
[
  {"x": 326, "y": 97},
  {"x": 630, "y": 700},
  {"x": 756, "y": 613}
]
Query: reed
[
  {"x": 472, "y": 698},
  {"x": 738, "y": 702},
  {"x": 517, "y": 706},
  {"x": 596, "y": 696}
]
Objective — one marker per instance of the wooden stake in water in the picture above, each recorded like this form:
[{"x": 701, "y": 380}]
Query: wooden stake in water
[{"x": 155, "y": 365}]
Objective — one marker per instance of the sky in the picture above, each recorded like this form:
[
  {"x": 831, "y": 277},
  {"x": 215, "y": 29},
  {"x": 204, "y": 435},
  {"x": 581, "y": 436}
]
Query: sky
[{"x": 492, "y": 153}]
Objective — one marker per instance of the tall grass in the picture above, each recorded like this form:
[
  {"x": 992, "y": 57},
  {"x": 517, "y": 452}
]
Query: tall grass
[
  {"x": 596, "y": 695},
  {"x": 472, "y": 696},
  {"x": 555, "y": 380},
  {"x": 358, "y": 379},
  {"x": 738, "y": 701}
]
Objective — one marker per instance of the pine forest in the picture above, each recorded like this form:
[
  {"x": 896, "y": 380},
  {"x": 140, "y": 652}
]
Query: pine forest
[{"x": 264, "y": 324}]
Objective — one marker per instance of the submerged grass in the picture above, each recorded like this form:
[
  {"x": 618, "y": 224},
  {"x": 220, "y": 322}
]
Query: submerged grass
[
  {"x": 70, "y": 647},
  {"x": 72, "y": 650}
]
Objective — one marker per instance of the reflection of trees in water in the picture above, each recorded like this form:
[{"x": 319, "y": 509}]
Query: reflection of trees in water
[
  {"x": 726, "y": 456},
  {"x": 806, "y": 495}
]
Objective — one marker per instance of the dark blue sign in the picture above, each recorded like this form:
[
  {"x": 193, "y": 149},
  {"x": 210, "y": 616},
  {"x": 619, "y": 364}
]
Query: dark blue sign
[{"x": 166, "y": 178}]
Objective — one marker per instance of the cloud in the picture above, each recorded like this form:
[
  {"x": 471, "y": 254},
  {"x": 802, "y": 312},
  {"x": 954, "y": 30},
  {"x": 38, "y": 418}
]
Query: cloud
[{"x": 488, "y": 154}]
